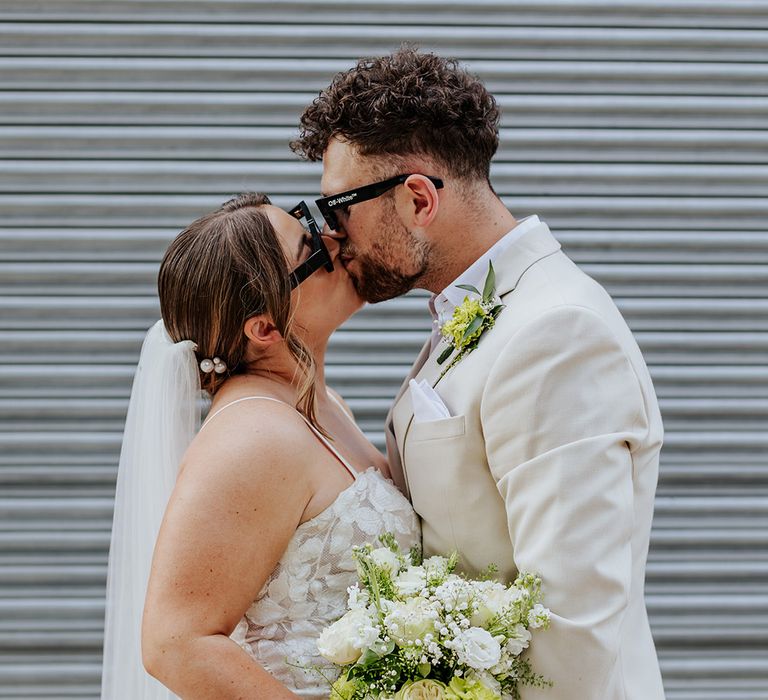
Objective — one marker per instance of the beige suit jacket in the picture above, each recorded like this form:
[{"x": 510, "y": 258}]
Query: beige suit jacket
[{"x": 548, "y": 464}]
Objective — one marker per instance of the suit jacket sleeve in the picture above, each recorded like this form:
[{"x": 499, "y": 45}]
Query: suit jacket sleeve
[{"x": 560, "y": 412}]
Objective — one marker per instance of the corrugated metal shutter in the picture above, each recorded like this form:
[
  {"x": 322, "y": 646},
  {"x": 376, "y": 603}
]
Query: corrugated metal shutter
[{"x": 636, "y": 128}]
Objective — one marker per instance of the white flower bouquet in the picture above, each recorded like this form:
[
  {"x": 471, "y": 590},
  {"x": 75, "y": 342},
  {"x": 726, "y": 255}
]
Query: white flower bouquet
[{"x": 415, "y": 630}]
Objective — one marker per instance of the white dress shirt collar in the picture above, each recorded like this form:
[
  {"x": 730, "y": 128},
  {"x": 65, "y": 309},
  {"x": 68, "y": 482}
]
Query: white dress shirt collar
[{"x": 441, "y": 305}]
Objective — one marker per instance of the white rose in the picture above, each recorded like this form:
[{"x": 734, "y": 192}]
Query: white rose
[
  {"x": 490, "y": 602},
  {"x": 519, "y": 641},
  {"x": 477, "y": 648},
  {"x": 347, "y": 638},
  {"x": 425, "y": 689},
  {"x": 385, "y": 558},
  {"x": 406, "y": 622},
  {"x": 411, "y": 581}
]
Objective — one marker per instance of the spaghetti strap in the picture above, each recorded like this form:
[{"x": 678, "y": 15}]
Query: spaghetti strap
[
  {"x": 318, "y": 434},
  {"x": 236, "y": 401}
]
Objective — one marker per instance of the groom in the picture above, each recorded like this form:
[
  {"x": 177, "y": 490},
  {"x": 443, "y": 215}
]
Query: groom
[{"x": 538, "y": 451}]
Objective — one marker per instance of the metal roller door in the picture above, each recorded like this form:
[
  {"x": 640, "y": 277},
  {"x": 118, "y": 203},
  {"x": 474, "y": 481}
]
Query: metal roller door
[{"x": 637, "y": 128}]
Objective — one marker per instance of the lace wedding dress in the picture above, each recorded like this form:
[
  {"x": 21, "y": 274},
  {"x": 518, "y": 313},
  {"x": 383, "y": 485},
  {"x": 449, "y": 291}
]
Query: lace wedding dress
[{"x": 308, "y": 588}]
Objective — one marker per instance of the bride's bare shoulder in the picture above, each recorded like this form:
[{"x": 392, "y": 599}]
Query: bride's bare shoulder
[{"x": 262, "y": 439}]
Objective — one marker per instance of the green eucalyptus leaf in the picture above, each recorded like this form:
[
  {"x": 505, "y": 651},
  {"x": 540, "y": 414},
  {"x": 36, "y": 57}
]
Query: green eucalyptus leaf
[
  {"x": 490, "y": 283},
  {"x": 469, "y": 288},
  {"x": 424, "y": 669},
  {"x": 444, "y": 355},
  {"x": 355, "y": 671},
  {"x": 477, "y": 321},
  {"x": 369, "y": 657}
]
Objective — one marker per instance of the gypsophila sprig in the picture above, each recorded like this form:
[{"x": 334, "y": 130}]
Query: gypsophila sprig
[
  {"x": 470, "y": 320},
  {"x": 417, "y": 629}
]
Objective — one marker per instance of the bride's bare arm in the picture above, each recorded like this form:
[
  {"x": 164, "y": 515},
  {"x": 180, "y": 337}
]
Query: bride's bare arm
[{"x": 237, "y": 502}]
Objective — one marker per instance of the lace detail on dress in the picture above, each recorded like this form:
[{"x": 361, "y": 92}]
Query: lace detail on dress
[{"x": 308, "y": 588}]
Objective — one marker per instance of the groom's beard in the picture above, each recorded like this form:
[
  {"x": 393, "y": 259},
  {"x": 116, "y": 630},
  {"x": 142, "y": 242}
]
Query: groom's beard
[
  {"x": 392, "y": 267},
  {"x": 375, "y": 281}
]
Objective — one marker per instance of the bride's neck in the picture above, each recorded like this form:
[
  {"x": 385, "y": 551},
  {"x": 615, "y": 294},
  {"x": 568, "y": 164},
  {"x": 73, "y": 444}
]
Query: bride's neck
[{"x": 282, "y": 369}]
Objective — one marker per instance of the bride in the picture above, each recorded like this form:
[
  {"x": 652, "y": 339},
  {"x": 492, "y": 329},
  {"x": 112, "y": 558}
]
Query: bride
[{"x": 260, "y": 506}]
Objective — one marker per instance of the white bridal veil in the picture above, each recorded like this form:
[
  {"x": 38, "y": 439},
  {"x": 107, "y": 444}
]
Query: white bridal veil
[{"x": 163, "y": 417}]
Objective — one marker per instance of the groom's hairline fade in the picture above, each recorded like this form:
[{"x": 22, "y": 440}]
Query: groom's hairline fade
[{"x": 406, "y": 104}]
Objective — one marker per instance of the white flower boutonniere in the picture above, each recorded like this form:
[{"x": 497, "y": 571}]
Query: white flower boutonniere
[{"x": 470, "y": 320}]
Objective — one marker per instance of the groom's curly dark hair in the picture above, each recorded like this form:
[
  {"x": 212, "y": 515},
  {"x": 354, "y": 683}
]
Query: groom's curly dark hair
[{"x": 403, "y": 104}]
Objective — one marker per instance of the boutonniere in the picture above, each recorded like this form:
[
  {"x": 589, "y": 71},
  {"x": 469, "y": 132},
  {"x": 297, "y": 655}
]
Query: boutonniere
[{"x": 470, "y": 320}]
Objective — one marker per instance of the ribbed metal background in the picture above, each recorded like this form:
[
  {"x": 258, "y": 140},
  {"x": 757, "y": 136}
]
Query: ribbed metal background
[{"x": 637, "y": 128}]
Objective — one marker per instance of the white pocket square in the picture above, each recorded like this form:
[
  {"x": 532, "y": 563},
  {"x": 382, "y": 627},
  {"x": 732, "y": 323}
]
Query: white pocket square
[{"x": 427, "y": 404}]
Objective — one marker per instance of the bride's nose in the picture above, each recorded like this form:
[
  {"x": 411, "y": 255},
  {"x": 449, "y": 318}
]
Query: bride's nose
[
  {"x": 328, "y": 232},
  {"x": 333, "y": 245}
]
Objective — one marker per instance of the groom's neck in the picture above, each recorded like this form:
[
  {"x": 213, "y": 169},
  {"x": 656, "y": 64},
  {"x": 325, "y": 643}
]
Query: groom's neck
[{"x": 463, "y": 238}]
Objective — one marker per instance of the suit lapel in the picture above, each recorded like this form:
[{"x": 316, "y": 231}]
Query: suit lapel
[
  {"x": 536, "y": 244},
  {"x": 533, "y": 246},
  {"x": 415, "y": 368},
  {"x": 393, "y": 448}
]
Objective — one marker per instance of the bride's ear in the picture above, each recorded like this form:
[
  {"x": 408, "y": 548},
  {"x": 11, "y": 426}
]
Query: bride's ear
[{"x": 261, "y": 331}]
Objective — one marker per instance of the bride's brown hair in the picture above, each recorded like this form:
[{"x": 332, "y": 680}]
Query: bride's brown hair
[{"x": 219, "y": 271}]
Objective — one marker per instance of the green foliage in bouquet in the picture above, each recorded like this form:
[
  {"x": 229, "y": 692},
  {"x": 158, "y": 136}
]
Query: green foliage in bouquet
[{"x": 417, "y": 630}]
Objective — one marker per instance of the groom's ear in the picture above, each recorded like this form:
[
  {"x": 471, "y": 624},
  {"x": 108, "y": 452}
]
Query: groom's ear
[
  {"x": 421, "y": 200},
  {"x": 261, "y": 330}
]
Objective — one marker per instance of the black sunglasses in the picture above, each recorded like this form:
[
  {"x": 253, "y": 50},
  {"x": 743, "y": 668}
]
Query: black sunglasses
[
  {"x": 328, "y": 205},
  {"x": 320, "y": 257}
]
